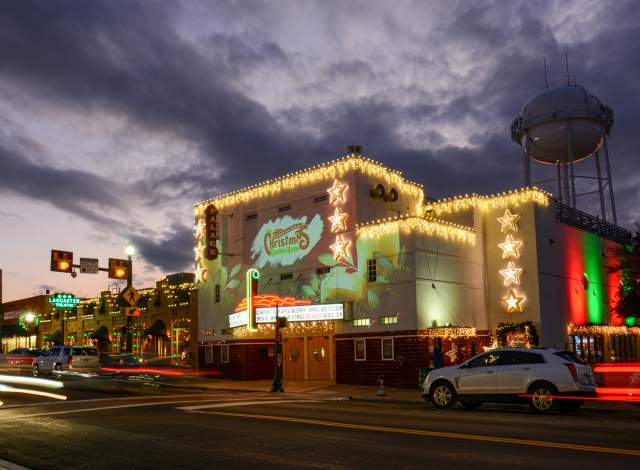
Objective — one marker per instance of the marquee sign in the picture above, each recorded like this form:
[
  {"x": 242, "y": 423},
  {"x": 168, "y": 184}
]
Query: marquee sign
[
  {"x": 293, "y": 313},
  {"x": 64, "y": 301},
  {"x": 285, "y": 240}
]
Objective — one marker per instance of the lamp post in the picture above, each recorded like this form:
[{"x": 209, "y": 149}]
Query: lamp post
[
  {"x": 129, "y": 250},
  {"x": 29, "y": 317}
]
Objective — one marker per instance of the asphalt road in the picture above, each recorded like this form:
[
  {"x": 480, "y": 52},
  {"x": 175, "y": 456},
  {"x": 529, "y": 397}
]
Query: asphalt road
[{"x": 232, "y": 430}]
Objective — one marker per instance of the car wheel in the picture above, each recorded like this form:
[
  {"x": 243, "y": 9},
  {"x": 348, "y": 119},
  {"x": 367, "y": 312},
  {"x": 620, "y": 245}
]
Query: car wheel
[
  {"x": 542, "y": 398},
  {"x": 570, "y": 406},
  {"x": 471, "y": 405},
  {"x": 442, "y": 395},
  {"x": 35, "y": 370}
]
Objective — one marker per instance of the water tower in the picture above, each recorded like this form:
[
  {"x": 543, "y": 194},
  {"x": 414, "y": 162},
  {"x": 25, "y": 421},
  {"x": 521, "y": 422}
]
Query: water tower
[{"x": 563, "y": 125}]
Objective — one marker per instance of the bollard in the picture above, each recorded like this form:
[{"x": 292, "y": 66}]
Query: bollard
[{"x": 380, "y": 386}]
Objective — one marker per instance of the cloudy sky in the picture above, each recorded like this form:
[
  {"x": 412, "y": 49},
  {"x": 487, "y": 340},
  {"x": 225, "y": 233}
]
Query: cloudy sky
[{"x": 116, "y": 116}]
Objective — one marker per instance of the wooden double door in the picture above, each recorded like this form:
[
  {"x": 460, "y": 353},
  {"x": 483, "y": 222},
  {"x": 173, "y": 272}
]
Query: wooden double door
[{"x": 308, "y": 357}]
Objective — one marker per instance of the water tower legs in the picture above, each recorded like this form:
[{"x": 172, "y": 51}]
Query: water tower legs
[
  {"x": 527, "y": 161},
  {"x": 603, "y": 213},
  {"x": 570, "y": 163},
  {"x": 566, "y": 198},
  {"x": 608, "y": 165}
]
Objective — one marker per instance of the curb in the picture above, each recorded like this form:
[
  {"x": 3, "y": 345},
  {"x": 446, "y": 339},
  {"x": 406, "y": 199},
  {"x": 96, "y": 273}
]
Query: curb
[
  {"x": 6, "y": 465},
  {"x": 387, "y": 400}
]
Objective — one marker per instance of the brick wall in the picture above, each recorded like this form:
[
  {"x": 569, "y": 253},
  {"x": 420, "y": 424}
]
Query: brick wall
[{"x": 246, "y": 361}]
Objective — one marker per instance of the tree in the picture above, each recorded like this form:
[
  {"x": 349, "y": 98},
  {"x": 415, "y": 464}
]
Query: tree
[{"x": 628, "y": 301}]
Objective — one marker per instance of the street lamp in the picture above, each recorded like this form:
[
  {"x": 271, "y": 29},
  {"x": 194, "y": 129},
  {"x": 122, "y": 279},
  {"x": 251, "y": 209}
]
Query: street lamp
[
  {"x": 129, "y": 250},
  {"x": 29, "y": 318}
]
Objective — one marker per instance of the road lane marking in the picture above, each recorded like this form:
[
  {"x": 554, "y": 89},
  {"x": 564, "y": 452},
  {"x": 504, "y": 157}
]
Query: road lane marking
[
  {"x": 132, "y": 405},
  {"x": 242, "y": 403},
  {"x": 447, "y": 435}
]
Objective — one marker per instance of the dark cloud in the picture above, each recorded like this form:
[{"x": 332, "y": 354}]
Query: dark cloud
[
  {"x": 78, "y": 192},
  {"x": 171, "y": 252}
]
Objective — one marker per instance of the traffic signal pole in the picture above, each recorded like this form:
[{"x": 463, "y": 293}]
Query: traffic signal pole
[{"x": 129, "y": 340}]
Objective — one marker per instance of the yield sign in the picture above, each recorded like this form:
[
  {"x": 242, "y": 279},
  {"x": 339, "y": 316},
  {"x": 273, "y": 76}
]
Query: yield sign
[{"x": 131, "y": 295}]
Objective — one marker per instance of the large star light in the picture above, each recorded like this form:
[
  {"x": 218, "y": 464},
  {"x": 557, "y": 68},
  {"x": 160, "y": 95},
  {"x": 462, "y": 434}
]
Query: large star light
[
  {"x": 340, "y": 248},
  {"x": 510, "y": 247},
  {"x": 513, "y": 302},
  {"x": 509, "y": 221},
  {"x": 200, "y": 226},
  {"x": 511, "y": 275},
  {"x": 337, "y": 192},
  {"x": 338, "y": 221},
  {"x": 201, "y": 273}
]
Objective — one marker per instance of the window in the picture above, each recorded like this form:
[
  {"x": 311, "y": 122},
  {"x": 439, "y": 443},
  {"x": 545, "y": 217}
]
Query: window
[
  {"x": 284, "y": 208},
  {"x": 217, "y": 293},
  {"x": 323, "y": 270},
  {"x": 372, "y": 270},
  {"x": 286, "y": 276},
  {"x": 512, "y": 358},
  {"x": 360, "y": 347},
  {"x": 253, "y": 216},
  {"x": 387, "y": 349},
  {"x": 361, "y": 322},
  {"x": 224, "y": 354},
  {"x": 322, "y": 198},
  {"x": 485, "y": 360},
  {"x": 208, "y": 354},
  {"x": 389, "y": 320}
]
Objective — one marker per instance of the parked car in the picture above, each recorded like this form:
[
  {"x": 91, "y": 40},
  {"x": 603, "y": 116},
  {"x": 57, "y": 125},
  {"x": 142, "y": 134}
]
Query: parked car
[
  {"x": 507, "y": 375},
  {"x": 21, "y": 358},
  {"x": 66, "y": 358}
]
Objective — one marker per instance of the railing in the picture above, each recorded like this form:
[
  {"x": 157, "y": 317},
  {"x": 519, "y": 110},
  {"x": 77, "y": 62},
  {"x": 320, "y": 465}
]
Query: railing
[{"x": 577, "y": 218}]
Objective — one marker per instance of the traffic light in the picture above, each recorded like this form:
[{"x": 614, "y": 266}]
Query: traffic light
[
  {"x": 118, "y": 268},
  {"x": 61, "y": 261}
]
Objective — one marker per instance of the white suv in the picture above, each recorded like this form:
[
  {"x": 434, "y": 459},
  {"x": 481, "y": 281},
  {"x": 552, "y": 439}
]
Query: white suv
[
  {"x": 66, "y": 358},
  {"x": 549, "y": 379}
]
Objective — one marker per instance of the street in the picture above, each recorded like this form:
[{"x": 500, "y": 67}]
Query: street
[{"x": 240, "y": 430}]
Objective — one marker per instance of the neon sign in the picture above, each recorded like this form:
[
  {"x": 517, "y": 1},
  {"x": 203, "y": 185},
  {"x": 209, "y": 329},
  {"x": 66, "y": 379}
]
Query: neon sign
[{"x": 64, "y": 301}]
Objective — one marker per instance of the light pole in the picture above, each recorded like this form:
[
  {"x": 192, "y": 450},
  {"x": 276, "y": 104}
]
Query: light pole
[
  {"x": 129, "y": 250},
  {"x": 29, "y": 317}
]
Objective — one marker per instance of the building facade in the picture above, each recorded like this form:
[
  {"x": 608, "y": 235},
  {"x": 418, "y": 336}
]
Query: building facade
[
  {"x": 16, "y": 332},
  {"x": 163, "y": 322},
  {"x": 378, "y": 282}
]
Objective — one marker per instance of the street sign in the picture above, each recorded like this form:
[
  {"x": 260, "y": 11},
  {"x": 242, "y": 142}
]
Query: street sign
[
  {"x": 131, "y": 296},
  {"x": 89, "y": 265},
  {"x": 63, "y": 301}
]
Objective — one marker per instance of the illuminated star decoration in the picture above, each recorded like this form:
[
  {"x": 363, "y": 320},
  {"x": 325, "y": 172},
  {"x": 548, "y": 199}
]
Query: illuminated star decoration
[
  {"x": 453, "y": 353},
  {"x": 340, "y": 248},
  {"x": 339, "y": 221},
  {"x": 511, "y": 275},
  {"x": 336, "y": 192},
  {"x": 513, "y": 302},
  {"x": 201, "y": 273},
  {"x": 510, "y": 247},
  {"x": 509, "y": 221},
  {"x": 200, "y": 226}
]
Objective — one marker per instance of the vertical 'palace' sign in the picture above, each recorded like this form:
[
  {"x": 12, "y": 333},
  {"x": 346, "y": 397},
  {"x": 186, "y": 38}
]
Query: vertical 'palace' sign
[{"x": 211, "y": 220}]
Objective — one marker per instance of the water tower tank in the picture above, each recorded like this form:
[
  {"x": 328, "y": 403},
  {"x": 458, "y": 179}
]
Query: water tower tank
[{"x": 545, "y": 117}]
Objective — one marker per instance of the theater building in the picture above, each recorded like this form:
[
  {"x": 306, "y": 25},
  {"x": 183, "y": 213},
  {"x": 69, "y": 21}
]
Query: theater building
[{"x": 376, "y": 280}]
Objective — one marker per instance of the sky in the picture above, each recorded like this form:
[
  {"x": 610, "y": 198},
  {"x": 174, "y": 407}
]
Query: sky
[{"x": 116, "y": 117}]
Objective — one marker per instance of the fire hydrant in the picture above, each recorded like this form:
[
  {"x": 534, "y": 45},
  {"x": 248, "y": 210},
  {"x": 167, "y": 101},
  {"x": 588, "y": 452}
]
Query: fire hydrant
[{"x": 380, "y": 386}]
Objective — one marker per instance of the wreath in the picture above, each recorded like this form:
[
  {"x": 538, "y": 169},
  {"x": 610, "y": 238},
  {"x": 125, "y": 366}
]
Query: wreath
[
  {"x": 528, "y": 327},
  {"x": 22, "y": 322}
]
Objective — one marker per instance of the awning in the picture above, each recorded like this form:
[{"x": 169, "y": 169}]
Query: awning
[
  {"x": 12, "y": 330},
  {"x": 157, "y": 329},
  {"x": 101, "y": 333}
]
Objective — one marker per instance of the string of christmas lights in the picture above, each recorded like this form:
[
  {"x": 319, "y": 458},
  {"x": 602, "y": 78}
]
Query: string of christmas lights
[
  {"x": 408, "y": 224},
  {"x": 488, "y": 202},
  {"x": 602, "y": 330}
]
